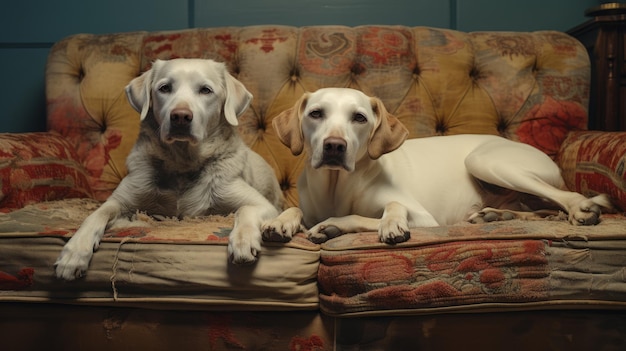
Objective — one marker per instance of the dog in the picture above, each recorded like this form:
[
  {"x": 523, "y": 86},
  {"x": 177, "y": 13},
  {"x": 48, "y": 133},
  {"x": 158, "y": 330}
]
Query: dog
[
  {"x": 188, "y": 160},
  {"x": 361, "y": 174}
]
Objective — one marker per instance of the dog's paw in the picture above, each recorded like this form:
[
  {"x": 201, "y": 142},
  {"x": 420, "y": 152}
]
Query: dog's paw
[
  {"x": 587, "y": 212},
  {"x": 394, "y": 231},
  {"x": 491, "y": 215},
  {"x": 244, "y": 245},
  {"x": 278, "y": 231},
  {"x": 322, "y": 233},
  {"x": 283, "y": 227},
  {"x": 72, "y": 263},
  {"x": 74, "y": 259}
]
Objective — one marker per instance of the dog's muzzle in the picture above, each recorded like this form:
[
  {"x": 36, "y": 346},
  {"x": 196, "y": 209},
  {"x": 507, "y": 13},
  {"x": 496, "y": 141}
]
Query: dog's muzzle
[
  {"x": 334, "y": 153},
  {"x": 180, "y": 125}
]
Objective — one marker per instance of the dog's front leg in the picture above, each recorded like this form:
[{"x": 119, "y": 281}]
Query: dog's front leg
[
  {"x": 74, "y": 259},
  {"x": 394, "y": 225},
  {"x": 244, "y": 241}
]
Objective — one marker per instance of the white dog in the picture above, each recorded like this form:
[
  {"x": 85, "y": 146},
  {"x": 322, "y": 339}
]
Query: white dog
[
  {"x": 188, "y": 161},
  {"x": 354, "y": 182}
]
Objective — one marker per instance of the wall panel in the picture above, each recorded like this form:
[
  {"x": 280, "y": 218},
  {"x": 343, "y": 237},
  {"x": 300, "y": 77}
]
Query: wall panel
[
  {"x": 526, "y": 15},
  {"x": 209, "y": 13}
]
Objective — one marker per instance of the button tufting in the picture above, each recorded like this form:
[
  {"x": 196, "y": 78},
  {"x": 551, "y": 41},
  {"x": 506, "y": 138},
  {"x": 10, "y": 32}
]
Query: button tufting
[
  {"x": 81, "y": 74},
  {"x": 357, "y": 69},
  {"x": 295, "y": 74},
  {"x": 502, "y": 126},
  {"x": 441, "y": 128},
  {"x": 474, "y": 73},
  {"x": 285, "y": 184},
  {"x": 261, "y": 125},
  {"x": 103, "y": 126}
]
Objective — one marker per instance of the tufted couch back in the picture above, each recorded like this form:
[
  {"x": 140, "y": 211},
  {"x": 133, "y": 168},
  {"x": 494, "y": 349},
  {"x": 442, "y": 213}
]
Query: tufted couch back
[{"x": 531, "y": 87}]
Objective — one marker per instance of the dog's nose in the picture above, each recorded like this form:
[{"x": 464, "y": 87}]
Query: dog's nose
[
  {"x": 181, "y": 116},
  {"x": 334, "y": 146}
]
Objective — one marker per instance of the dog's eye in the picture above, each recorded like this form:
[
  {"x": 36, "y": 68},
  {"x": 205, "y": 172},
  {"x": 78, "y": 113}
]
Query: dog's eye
[
  {"x": 359, "y": 118},
  {"x": 315, "y": 114},
  {"x": 206, "y": 90},
  {"x": 165, "y": 88}
]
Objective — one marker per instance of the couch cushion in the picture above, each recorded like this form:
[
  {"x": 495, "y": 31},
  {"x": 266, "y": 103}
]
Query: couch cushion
[
  {"x": 595, "y": 162},
  {"x": 163, "y": 264},
  {"x": 494, "y": 266},
  {"x": 37, "y": 167}
]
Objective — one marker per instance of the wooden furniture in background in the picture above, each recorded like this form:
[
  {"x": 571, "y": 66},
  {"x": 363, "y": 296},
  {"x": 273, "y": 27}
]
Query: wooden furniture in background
[{"x": 604, "y": 36}]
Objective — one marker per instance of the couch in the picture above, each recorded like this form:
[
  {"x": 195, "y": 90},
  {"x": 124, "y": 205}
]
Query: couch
[{"x": 164, "y": 283}]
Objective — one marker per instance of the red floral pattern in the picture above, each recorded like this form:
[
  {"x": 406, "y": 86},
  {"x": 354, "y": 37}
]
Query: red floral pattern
[
  {"x": 267, "y": 39},
  {"x": 448, "y": 274},
  {"x": 382, "y": 46},
  {"x": 36, "y": 167},
  {"x": 595, "y": 162},
  {"x": 437, "y": 81},
  {"x": 465, "y": 265},
  {"x": 23, "y": 279},
  {"x": 546, "y": 125}
]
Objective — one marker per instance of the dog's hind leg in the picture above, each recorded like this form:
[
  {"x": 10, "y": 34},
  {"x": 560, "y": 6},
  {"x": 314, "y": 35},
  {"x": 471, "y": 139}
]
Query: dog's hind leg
[{"x": 522, "y": 168}]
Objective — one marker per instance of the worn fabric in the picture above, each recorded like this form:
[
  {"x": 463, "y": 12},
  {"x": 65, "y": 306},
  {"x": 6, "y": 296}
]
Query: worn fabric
[
  {"x": 468, "y": 267},
  {"x": 165, "y": 263},
  {"x": 531, "y": 87},
  {"x": 595, "y": 162},
  {"x": 37, "y": 167}
]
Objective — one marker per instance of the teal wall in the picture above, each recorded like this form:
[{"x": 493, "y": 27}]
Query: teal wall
[{"x": 29, "y": 28}]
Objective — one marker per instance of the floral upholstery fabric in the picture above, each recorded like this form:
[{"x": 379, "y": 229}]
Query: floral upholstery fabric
[
  {"x": 595, "y": 162},
  {"x": 531, "y": 87},
  {"x": 37, "y": 167},
  {"x": 473, "y": 267},
  {"x": 166, "y": 262}
]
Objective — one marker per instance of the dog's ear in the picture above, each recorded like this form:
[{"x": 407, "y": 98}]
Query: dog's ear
[
  {"x": 288, "y": 126},
  {"x": 139, "y": 93},
  {"x": 389, "y": 133},
  {"x": 237, "y": 99}
]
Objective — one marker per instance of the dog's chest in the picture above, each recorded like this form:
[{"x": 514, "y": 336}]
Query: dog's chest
[
  {"x": 185, "y": 192},
  {"x": 176, "y": 182}
]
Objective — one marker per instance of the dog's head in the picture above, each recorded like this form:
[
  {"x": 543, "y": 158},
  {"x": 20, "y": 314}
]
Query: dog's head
[
  {"x": 188, "y": 97},
  {"x": 338, "y": 127}
]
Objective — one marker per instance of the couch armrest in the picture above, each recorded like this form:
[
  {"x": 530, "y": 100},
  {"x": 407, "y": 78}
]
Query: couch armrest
[
  {"x": 37, "y": 167},
  {"x": 595, "y": 162}
]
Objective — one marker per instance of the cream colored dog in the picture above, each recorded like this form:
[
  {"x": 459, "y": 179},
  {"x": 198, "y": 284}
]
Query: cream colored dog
[
  {"x": 353, "y": 181},
  {"x": 188, "y": 161}
]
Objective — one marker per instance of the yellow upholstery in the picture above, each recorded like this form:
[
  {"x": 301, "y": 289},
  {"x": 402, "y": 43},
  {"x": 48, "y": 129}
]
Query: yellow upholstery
[{"x": 436, "y": 81}]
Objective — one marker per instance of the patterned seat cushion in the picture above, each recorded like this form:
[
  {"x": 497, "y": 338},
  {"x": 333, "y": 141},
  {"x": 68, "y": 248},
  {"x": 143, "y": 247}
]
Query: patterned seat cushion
[
  {"x": 466, "y": 267},
  {"x": 165, "y": 263}
]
